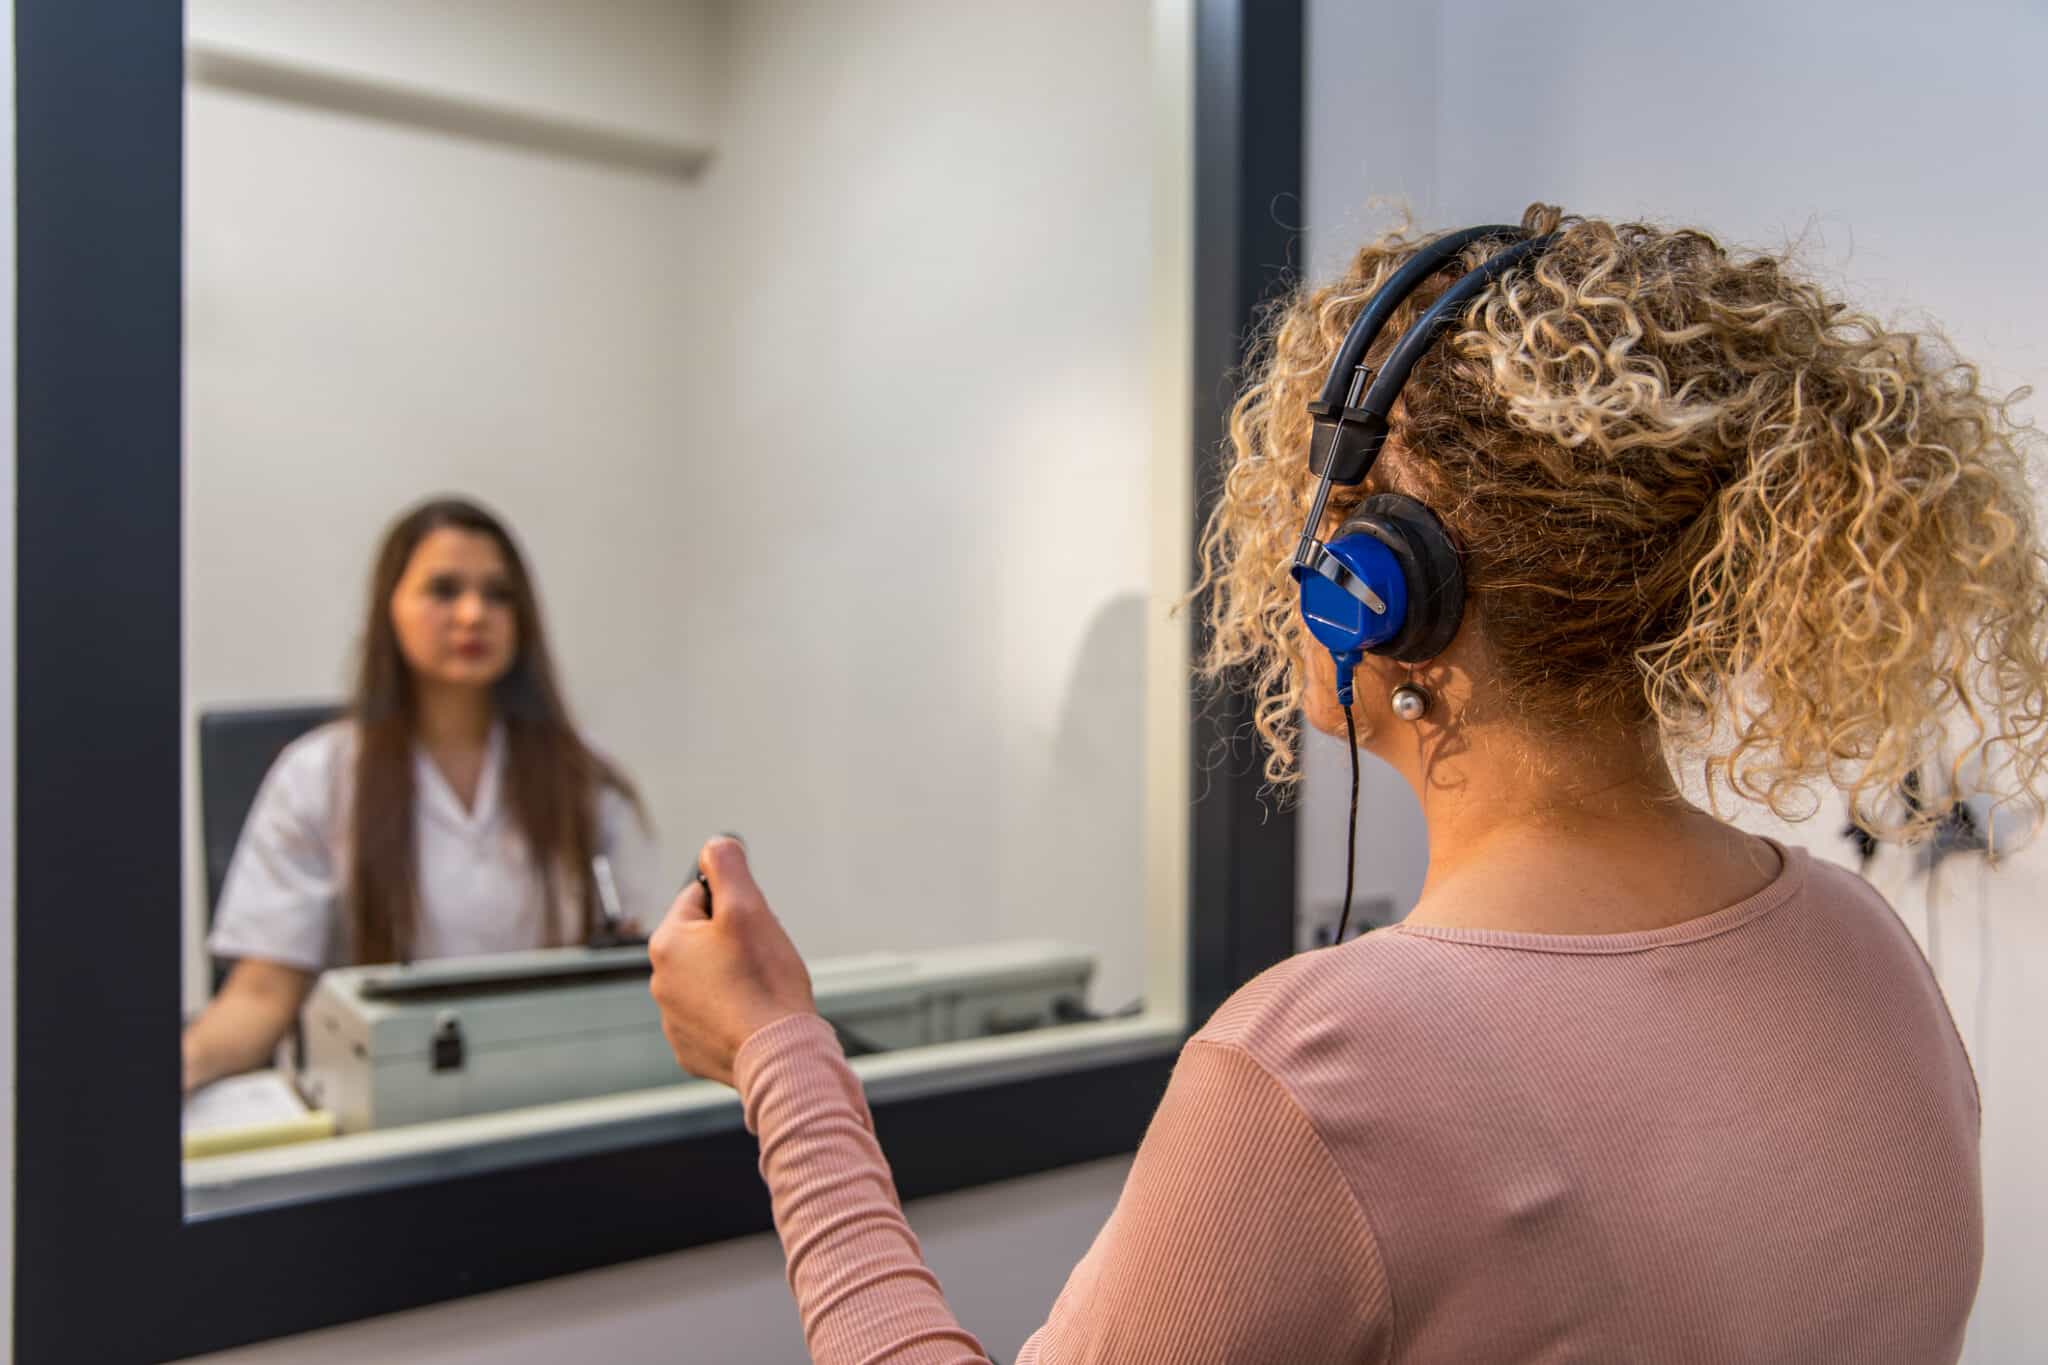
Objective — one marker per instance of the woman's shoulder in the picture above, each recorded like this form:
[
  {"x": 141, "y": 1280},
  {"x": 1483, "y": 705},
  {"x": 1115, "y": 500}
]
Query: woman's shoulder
[
  {"x": 311, "y": 766},
  {"x": 1421, "y": 990},
  {"x": 1405, "y": 978},
  {"x": 1383, "y": 984},
  {"x": 321, "y": 746}
]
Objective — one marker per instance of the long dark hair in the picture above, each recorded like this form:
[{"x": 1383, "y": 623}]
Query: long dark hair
[{"x": 552, "y": 779}]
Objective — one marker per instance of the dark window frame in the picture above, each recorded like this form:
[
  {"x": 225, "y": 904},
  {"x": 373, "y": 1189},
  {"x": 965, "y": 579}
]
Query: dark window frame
[{"x": 107, "y": 1268}]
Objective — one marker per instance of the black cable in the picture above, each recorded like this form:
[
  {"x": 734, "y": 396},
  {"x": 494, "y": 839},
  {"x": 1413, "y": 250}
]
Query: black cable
[{"x": 1350, "y": 826}]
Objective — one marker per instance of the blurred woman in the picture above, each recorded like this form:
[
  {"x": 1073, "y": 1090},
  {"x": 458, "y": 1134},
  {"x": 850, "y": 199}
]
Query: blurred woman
[{"x": 454, "y": 811}]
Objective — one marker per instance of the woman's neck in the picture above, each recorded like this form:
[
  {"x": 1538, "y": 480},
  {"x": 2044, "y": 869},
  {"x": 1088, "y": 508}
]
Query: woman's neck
[
  {"x": 453, "y": 719},
  {"x": 1581, "y": 834}
]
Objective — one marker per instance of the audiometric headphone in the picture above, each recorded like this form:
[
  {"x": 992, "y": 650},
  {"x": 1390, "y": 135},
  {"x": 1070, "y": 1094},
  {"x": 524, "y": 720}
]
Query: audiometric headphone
[{"x": 1390, "y": 581}]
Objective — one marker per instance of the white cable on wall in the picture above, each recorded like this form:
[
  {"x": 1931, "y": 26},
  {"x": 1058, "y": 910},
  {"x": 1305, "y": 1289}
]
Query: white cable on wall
[
  {"x": 1933, "y": 914},
  {"x": 1981, "y": 1007}
]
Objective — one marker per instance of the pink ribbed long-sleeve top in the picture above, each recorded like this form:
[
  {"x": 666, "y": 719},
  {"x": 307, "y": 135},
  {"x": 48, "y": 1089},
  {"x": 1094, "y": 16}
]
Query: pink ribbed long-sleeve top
[{"x": 1750, "y": 1137}]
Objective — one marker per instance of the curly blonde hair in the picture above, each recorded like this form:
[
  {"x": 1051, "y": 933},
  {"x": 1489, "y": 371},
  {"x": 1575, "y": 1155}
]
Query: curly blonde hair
[{"x": 1692, "y": 492}]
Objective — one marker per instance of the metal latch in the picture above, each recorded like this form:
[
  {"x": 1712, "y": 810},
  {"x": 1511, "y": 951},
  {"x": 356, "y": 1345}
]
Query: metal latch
[{"x": 448, "y": 1049}]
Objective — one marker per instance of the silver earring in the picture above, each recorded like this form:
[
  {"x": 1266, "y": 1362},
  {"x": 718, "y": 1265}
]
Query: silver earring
[{"x": 1410, "y": 702}]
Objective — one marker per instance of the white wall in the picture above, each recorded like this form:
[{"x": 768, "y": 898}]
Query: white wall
[
  {"x": 1901, "y": 145},
  {"x": 946, "y": 210},
  {"x": 886, "y": 622}
]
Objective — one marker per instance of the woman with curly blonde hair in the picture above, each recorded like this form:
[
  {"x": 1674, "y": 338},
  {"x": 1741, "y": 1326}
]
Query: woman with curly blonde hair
[{"x": 1628, "y": 1084}]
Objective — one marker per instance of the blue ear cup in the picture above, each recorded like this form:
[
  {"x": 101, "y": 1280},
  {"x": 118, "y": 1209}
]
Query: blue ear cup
[
  {"x": 1359, "y": 614},
  {"x": 1402, "y": 591},
  {"x": 1434, "y": 577}
]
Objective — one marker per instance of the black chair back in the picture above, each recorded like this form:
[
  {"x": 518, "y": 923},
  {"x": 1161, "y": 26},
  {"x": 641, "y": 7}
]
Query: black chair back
[{"x": 236, "y": 749}]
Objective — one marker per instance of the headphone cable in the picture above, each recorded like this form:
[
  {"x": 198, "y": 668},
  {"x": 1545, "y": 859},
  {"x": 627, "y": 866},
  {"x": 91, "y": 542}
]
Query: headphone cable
[{"x": 1350, "y": 826}]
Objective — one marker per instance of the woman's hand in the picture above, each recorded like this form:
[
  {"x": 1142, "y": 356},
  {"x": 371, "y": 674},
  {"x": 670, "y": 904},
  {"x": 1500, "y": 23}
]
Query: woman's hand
[{"x": 718, "y": 978}]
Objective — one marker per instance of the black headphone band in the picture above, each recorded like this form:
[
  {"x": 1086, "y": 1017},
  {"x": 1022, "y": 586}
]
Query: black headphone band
[
  {"x": 1365, "y": 328},
  {"x": 1350, "y": 429}
]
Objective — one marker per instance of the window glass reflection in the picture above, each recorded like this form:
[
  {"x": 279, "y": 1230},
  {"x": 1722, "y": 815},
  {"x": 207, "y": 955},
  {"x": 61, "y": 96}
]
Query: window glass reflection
[{"x": 627, "y": 424}]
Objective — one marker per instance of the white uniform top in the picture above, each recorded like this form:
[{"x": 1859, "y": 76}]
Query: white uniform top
[{"x": 478, "y": 889}]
